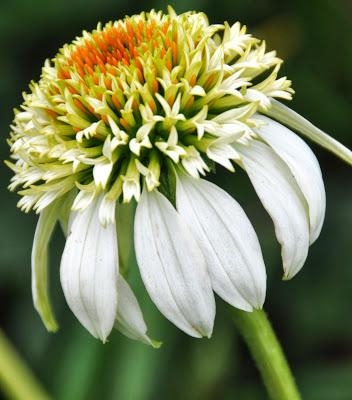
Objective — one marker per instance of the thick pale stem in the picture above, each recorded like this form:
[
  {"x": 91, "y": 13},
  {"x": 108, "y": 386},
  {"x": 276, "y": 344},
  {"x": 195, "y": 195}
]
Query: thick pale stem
[
  {"x": 16, "y": 380},
  {"x": 267, "y": 353}
]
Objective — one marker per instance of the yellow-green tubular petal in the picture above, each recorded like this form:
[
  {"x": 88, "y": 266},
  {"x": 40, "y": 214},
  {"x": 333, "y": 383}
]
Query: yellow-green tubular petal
[
  {"x": 86, "y": 194},
  {"x": 131, "y": 182},
  {"x": 45, "y": 226},
  {"x": 171, "y": 147},
  {"x": 283, "y": 114},
  {"x": 124, "y": 223}
]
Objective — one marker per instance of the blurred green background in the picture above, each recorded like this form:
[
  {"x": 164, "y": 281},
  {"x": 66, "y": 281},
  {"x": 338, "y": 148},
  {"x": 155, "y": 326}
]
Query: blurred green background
[{"x": 311, "y": 314}]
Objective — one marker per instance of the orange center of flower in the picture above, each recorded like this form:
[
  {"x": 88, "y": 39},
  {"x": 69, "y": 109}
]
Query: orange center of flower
[{"x": 126, "y": 42}]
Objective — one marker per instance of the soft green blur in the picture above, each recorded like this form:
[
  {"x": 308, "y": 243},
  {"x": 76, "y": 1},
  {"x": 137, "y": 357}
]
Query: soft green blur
[{"x": 312, "y": 313}]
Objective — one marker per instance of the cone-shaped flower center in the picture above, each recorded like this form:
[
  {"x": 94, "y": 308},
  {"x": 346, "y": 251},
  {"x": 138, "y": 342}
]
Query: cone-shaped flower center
[{"x": 116, "y": 106}]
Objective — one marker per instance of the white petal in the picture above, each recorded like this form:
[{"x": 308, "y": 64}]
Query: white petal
[
  {"x": 304, "y": 167},
  {"x": 227, "y": 239},
  {"x": 172, "y": 266},
  {"x": 45, "y": 226},
  {"x": 283, "y": 200},
  {"x": 89, "y": 271},
  {"x": 295, "y": 121},
  {"x": 129, "y": 317}
]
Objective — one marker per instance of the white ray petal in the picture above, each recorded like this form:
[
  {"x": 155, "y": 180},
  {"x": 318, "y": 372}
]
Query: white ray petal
[
  {"x": 284, "y": 114},
  {"x": 303, "y": 165},
  {"x": 172, "y": 266},
  {"x": 227, "y": 239},
  {"x": 282, "y": 198},
  {"x": 89, "y": 271},
  {"x": 129, "y": 317}
]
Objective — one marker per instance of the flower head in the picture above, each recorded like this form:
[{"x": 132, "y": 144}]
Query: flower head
[
  {"x": 139, "y": 109},
  {"x": 119, "y": 102}
]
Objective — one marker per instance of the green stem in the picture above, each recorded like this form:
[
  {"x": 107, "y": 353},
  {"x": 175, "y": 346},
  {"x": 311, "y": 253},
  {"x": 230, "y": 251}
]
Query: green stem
[
  {"x": 267, "y": 353},
  {"x": 16, "y": 380}
]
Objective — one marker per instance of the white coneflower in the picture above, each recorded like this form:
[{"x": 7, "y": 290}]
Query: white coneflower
[{"x": 140, "y": 109}]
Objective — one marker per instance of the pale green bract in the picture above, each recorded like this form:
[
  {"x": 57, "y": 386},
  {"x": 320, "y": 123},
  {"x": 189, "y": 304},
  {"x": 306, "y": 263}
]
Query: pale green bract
[{"x": 138, "y": 110}]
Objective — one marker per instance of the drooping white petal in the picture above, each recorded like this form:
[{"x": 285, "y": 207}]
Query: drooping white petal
[
  {"x": 172, "y": 266},
  {"x": 89, "y": 271},
  {"x": 282, "y": 198},
  {"x": 284, "y": 114},
  {"x": 304, "y": 167},
  {"x": 227, "y": 239},
  {"x": 45, "y": 227},
  {"x": 129, "y": 317}
]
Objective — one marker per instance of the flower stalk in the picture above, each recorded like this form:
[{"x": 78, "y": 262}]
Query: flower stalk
[
  {"x": 16, "y": 380},
  {"x": 266, "y": 351}
]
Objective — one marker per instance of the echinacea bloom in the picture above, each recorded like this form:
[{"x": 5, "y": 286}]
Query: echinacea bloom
[{"x": 140, "y": 109}]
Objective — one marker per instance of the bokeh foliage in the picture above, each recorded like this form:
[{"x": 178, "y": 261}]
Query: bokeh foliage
[{"x": 311, "y": 313}]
